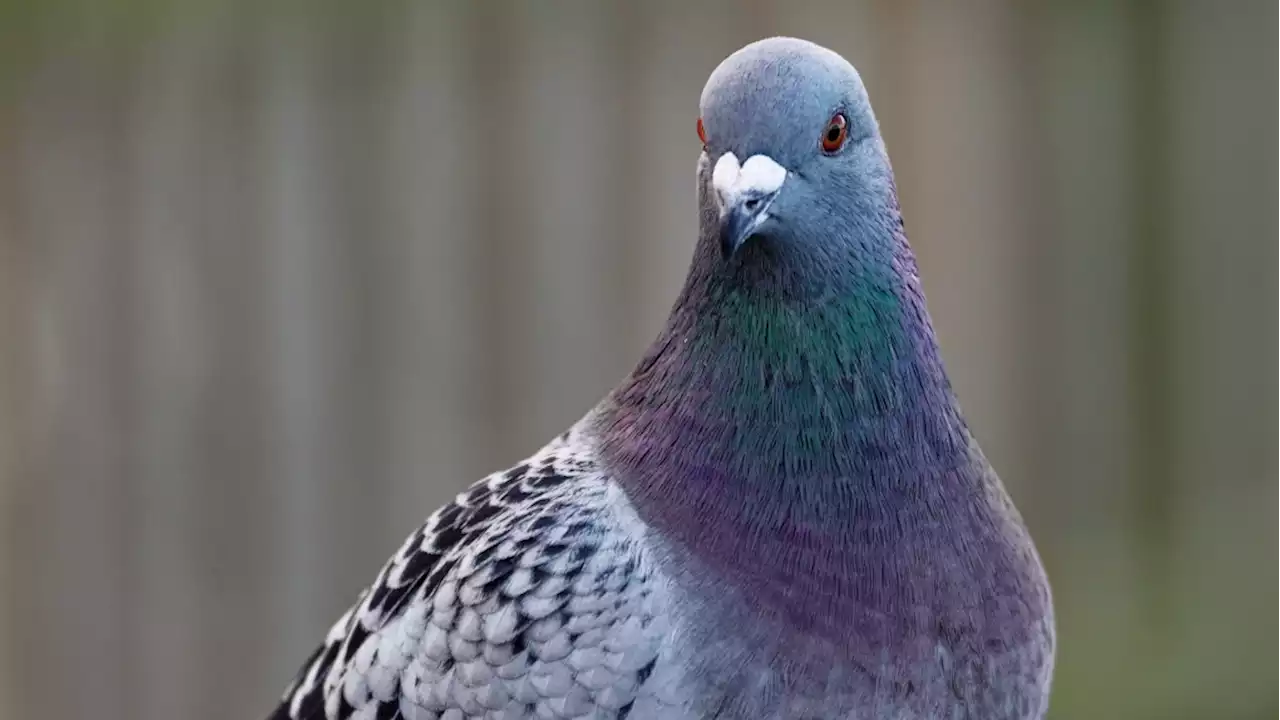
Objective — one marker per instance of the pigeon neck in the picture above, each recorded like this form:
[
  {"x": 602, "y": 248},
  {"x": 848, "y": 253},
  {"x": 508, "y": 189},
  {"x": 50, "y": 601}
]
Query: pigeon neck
[{"x": 758, "y": 425}]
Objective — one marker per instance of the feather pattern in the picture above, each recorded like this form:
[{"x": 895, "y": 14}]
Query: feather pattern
[{"x": 519, "y": 599}]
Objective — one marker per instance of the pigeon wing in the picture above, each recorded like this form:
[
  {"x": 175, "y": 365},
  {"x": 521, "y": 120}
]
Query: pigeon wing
[{"x": 522, "y": 596}]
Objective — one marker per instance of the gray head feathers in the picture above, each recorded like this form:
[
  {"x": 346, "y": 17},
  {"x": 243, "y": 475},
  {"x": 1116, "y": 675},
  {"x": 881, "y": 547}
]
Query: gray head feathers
[{"x": 775, "y": 96}]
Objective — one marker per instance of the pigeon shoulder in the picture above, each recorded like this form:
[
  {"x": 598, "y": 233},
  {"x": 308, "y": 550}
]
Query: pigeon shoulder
[{"x": 529, "y": 595}]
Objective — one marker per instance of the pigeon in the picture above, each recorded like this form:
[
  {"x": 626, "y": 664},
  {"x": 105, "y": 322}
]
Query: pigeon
[{"x": 780, "y": 514}]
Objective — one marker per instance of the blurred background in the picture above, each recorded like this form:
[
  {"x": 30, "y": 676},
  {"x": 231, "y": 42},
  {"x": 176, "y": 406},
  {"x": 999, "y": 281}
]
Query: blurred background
[{"x": 276, "y": 280}]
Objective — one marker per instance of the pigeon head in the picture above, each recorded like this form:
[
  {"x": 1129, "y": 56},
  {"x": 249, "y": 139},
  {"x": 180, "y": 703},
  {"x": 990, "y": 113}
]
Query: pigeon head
[
  {"x": 794, "y": 174},
  {"x": 800, "y": 344}
]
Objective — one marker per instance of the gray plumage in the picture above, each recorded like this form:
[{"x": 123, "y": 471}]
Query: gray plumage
[{"x": 781, "y": 512}]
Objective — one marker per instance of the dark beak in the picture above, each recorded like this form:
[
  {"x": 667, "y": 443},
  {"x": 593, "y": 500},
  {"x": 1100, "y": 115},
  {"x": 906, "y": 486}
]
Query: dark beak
[{"x": 740, "y": 219}]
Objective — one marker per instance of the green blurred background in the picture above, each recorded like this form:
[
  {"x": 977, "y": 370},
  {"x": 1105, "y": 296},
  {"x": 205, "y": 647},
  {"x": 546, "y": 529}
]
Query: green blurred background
[{"x": 278, "y": 279}]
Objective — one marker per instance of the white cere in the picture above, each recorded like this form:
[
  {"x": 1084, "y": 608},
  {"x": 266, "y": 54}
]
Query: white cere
[{"x": 760, "y": 175}]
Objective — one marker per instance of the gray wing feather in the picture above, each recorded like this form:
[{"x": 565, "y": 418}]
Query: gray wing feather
[{"x": 522, "y": 598}]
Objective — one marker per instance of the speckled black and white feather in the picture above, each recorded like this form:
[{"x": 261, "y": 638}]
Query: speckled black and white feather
[{"x": 516, "y": 600}]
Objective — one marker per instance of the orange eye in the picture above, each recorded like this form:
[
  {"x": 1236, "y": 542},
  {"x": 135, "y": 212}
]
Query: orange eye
[
  {"x": 836, "y": 132},
  {"x": 702, "y": 134}
]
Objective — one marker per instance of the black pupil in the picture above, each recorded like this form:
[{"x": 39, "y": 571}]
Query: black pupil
[{"x": 833, "y": 133}]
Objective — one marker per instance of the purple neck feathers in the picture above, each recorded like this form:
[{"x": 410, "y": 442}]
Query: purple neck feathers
[{"x": 809, "y": 446}]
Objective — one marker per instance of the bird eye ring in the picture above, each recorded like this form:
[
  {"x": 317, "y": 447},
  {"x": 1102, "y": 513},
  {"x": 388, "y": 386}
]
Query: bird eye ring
[
  {"x": 702, "y": 134},
  {"x": 836, "y": 132}
]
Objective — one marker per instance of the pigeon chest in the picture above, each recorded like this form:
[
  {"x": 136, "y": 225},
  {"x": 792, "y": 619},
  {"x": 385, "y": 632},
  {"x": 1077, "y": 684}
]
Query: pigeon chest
[{"x": 736, "y": 666}]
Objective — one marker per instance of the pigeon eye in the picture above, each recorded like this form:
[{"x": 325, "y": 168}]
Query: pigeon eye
[
  {"x": 702, "y": 134},
  {"x": 836, "y": 132}
]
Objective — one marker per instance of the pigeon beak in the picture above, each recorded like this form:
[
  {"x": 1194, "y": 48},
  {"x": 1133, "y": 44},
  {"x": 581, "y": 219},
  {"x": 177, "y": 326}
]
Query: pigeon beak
[{"x": 745, "y": 193}]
